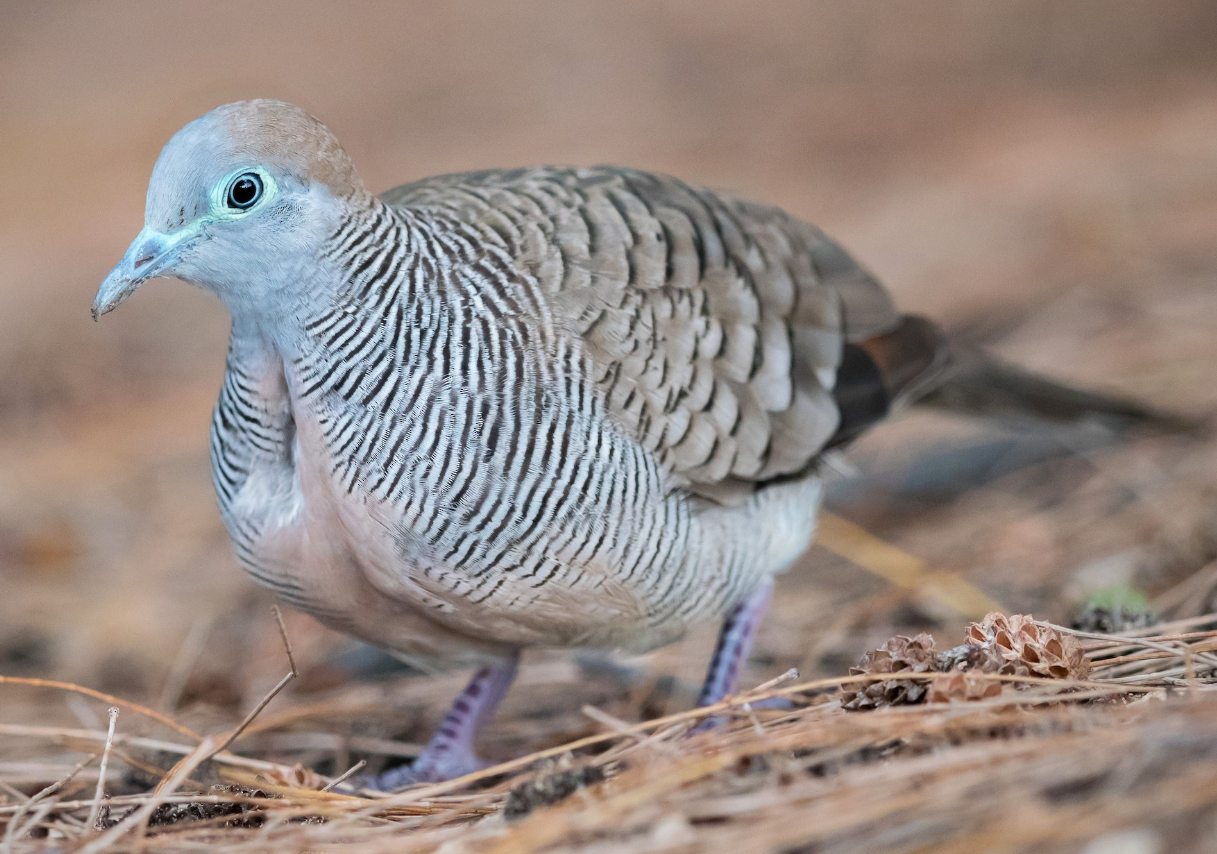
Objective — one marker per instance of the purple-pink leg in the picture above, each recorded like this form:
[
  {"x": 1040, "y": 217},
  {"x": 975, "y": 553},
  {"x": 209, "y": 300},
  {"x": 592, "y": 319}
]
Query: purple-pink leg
[
  {"x": 734, "y": 643},
  {"x": 449, "y": 753}
]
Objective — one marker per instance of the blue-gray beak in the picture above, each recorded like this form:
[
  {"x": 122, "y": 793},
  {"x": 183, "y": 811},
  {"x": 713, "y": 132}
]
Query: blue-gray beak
[{"x": 150, "y": 255}]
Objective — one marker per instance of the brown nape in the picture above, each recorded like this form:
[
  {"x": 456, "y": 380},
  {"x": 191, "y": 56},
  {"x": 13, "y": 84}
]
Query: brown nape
[
  {"x": 885, "y": 371},
  {"x": 275, "y": 131}
]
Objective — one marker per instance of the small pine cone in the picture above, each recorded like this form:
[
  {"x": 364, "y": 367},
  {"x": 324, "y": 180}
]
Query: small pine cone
[
  {"x": 1024, "y": 648},
  {"x": 897, "y": 655},
  {"x": 970, "y": 656},
  {"x": 961, "y": 687}
]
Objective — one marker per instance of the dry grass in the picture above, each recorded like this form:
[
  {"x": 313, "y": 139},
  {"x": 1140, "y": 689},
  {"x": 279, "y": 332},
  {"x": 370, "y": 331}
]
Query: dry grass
[{"x": 1043, "y": 765}]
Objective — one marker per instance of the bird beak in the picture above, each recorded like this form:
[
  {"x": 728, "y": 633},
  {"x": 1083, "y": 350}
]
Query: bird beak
[{"x": 150, "y": 255}]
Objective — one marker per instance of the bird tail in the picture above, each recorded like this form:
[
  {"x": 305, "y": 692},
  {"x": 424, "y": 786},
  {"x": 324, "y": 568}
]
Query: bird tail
[
  {"x": 917, "y": 363},
  {"x": 969, "y": 381}
]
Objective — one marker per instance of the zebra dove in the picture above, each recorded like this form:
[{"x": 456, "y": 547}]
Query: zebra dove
[{"x": 491, "y": 411}]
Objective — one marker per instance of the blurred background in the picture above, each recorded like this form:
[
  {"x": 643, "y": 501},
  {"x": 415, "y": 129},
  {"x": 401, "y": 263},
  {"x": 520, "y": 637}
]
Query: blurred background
[{"x": 1040, "y": 176}]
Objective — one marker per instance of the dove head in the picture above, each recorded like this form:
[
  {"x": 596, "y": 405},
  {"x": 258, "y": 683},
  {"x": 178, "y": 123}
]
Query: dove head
[{"x": 240, "y": 202}]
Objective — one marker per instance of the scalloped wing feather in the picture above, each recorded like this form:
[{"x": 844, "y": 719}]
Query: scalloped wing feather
[{"x": 715, "y": 327}]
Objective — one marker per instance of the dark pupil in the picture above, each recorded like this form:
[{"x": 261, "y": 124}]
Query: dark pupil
[{"x": 244, "y": 191}]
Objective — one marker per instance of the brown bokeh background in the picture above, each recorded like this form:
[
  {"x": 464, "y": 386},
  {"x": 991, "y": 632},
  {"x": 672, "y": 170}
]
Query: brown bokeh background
[{"x": 1041, "y": 176}]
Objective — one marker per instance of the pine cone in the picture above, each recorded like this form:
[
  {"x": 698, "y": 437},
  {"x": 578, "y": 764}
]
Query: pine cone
[
  {"x": 1013, "y": 646},
  {"x": 898, "y": 655},
  {"x": 962, "y": 686},
  {"x": 1020, "y": 647},
  {"x": 969, "y": 656}
]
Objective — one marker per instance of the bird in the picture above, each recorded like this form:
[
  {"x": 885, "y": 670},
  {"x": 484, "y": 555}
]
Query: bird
[{"x": 543, "y": 407}]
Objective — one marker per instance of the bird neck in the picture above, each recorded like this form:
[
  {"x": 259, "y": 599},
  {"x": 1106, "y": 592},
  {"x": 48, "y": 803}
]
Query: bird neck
[{"x": 373, "y": 258}]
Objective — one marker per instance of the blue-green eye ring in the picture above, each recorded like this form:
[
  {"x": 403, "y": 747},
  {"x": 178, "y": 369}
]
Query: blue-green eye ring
[
  {"x": 241, "y": 192},
  {"x": 244, "y": 191}
]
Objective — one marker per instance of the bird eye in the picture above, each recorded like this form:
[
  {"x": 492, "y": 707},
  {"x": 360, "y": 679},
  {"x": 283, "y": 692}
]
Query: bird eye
[{"x": 244, "y": 191}]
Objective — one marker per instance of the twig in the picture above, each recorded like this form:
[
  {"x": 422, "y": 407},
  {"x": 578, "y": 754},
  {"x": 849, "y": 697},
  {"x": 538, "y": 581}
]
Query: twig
[
  {"x": 138, "y": 817},
  {"x": 344, "y": 776},
  {"x": 1143, "y": 657},
  {"x": 287, "y": 644},
  {"x": 69, "y": 735},
  {"x": 1115, "y": 642},
  {"x": 14, "y": 832},
  {"x": 257, "y": 710},
  {"x": 63, "y": 781},
  {"x": 258, "y": 740},
  {"x": 621, "y": 727},
  {"x": 19, "y": 812},
  {"x": 792, "y": 673},
  {"x": 274, "y": 692},
  {"x": 1184, "y": 649},
  {"x": 99, "y": 792},
  {"x": 1163, "y": 630},
  {"x": 98, "y": 695}
]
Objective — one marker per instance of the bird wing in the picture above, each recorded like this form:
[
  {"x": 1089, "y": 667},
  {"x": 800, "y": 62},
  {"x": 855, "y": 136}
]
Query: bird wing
[{"x": 732, "y": 340}]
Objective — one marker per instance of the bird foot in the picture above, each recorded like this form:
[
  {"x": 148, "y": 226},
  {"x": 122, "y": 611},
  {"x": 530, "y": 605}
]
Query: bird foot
[
  {"x": 430, "y": 767},
  {"x": 450, "y": 754}
]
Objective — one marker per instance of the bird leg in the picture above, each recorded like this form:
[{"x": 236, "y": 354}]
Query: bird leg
[
  {"x": 449, "y": 753},
  {"x": 734, "y": 643}
]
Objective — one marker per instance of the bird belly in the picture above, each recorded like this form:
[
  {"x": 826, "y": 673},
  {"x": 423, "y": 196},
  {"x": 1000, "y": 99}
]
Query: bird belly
[
  {"x": 293, "y": 540},
  {"x": 609, "y": 601}
]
